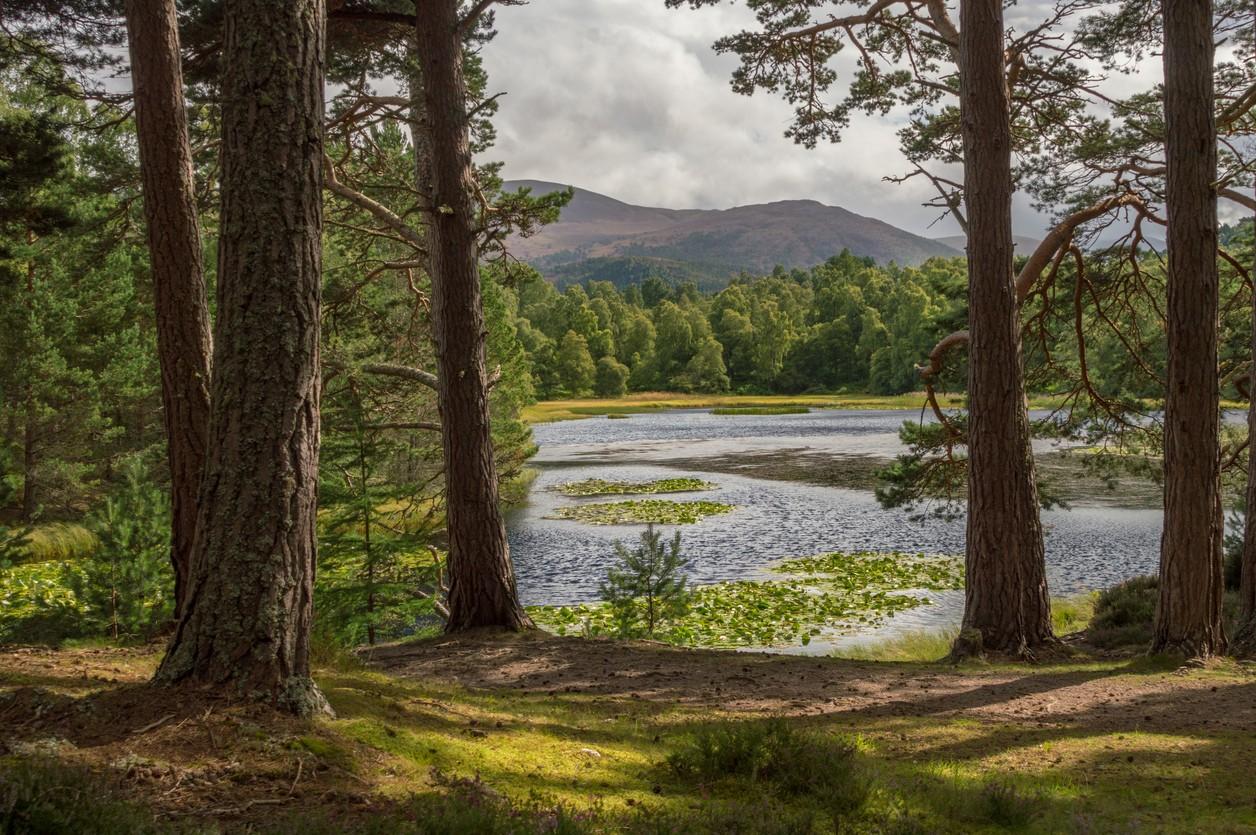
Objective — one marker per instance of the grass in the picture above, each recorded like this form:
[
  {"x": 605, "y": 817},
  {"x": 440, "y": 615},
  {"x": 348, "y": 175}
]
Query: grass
[
  {"x": 601, "y": 487},
  {"x": 642, "y": 512},
  {"x": 551, "y": 410},
  {"x": 436, "y": 757},
  {"x": 57, "y": 541},
  {"x": 1068, "y": 615}
]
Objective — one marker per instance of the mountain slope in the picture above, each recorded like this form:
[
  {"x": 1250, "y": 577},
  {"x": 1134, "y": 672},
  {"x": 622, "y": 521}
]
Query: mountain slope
[
  {"x": 717, "y": 244},
  {"x": 1024, "y": 244}
]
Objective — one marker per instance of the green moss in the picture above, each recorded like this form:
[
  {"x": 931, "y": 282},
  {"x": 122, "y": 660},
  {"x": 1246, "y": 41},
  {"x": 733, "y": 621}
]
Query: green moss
[
  {"x": 327, "y": 750},
  {"x": 641, "y": 512},
  {"x": 571, "y": 762},
  {"x": 601, "y": 487}
]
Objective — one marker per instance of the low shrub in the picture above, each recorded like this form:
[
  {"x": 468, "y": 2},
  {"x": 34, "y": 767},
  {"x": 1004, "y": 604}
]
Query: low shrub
[
  {"x": 1124, "y": 614},
  {"x": 1004, "y": 805},
  {"x": 44, "y": 797},
  {"x": 794, "y": 763},
  {"x": 762, "y": 817}
]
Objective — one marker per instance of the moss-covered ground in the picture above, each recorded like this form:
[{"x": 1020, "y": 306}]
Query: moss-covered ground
[{"x": 1084, "y": 745}]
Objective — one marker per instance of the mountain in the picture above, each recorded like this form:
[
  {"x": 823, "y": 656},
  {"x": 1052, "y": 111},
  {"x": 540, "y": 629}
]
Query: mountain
[
  {"x": 600, "y": 237},
  {"x": 1024, "y": 244}
]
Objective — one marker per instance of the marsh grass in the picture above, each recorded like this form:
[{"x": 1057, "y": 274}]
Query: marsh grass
[
  {"x": 916, "y": 646},
  {"x": 761, "y": 410},
  {"x": 644, "y": 402}
]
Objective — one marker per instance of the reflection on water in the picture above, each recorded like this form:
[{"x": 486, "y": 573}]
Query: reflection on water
[{"x": 1089, "y": 546}]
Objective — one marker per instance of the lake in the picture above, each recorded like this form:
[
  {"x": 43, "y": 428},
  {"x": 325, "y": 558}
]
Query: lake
[{"x": 802, "y": 484}]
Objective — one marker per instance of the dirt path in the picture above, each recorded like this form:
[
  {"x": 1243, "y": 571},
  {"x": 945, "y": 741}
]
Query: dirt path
[{"x": 1128, "y": 697}]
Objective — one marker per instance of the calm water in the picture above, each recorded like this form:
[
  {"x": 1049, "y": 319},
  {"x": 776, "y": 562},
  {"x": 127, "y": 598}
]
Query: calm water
[{"x": 1090, "y": 546}]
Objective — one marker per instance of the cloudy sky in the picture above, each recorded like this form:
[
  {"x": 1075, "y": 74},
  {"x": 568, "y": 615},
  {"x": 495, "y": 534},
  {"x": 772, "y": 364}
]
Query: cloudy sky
[{"x": 626, "y": 97}]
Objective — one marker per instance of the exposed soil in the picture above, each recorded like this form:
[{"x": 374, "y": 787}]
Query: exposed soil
[
  {"x": 1100, "y": 700},
  {"x": 187, "y": 754}
]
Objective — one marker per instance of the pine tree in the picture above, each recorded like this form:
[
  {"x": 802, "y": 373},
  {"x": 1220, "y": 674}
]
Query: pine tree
[
  {"x": 647, "y": 585},
  {"x": 125, "y": 584},
  {"x": 246, "y": 628}
]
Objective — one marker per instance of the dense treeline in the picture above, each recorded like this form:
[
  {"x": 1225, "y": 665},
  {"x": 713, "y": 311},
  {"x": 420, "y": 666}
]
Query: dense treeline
[
  {"x": 847, "y": 324},
  {"x": 81, "y": 415},
  {"x": 852, "y": 325}
]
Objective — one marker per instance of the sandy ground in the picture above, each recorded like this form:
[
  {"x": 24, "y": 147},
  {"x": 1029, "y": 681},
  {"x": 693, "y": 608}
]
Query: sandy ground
[{"x": 1102, "y": 700}]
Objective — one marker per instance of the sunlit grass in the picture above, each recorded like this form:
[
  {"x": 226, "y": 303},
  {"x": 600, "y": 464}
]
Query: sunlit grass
[
  {"x": 609, "y": 754},
  {"x": 1068, "y": 615},
  {"x": 574, "y": 409},
  {"x": 58, "y": 541},
  {"x": 550, "y": 410}
]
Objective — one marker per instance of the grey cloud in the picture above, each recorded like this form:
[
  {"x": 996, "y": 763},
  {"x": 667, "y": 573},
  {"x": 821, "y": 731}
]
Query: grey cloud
[{"x": 626, "y": 97}]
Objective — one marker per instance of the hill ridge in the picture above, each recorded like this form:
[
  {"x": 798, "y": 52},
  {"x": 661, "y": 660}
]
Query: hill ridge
[{"x": 600, "y": 236}]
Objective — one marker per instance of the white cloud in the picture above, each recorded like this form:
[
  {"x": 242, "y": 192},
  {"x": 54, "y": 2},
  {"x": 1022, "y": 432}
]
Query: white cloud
[{"x": 626, "y": 97}]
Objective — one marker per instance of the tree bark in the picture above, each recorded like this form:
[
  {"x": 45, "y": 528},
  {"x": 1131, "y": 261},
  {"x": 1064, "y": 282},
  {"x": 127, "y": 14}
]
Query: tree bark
[
  {"x": 174, "y": 246},
  {"x": 481, "y": 577},
  {"x": 1244, "y": 643},
  {"x": 30, "y": 487},
  {"x": 1006, "y": 605},
  {"x": 1188, "y": 617},
  {"x": 246, "y": 625},
  {"x": 1245, "y": 636}
]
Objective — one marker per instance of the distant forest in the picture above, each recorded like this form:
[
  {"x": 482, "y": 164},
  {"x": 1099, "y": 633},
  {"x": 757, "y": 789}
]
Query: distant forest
[{"x": 845, "y": 325}]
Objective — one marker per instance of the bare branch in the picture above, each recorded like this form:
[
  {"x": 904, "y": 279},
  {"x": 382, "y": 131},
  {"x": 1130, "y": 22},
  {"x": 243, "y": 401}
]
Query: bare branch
[
  {"x": 404, "y": 372},
  {"x": 376, "y": 209}
]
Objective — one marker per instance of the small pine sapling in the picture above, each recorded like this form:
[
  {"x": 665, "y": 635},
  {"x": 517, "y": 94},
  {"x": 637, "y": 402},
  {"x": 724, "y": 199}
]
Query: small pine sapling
[
  {"x": 647, "y": 586},
  {"x": 124, "y": 584}
]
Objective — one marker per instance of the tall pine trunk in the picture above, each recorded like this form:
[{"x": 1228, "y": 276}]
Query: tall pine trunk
[
  {"x": 1244, "y": 642},
  {"x": 246, "y": 625},
  {"x": 1006, "y": 603},
  {"x": 1188, "y": 617},
  {"x": 174, "y": 245},
  {"x": 481, "y": 577}
]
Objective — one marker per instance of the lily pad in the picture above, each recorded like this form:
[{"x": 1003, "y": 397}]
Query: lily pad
[
  {"x": 830, "y": 594},
  {"x": 601, "y": 487},
  {"x": 641, "y": 512}
]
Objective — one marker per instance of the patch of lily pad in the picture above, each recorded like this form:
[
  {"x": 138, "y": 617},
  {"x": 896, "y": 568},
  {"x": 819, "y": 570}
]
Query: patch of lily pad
[
  {"x": 642, "y": 512},
  {"x": 878, "y": 570},
  {"x": 602, "y": 487},
  {"x": 830, "y": 594}
]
